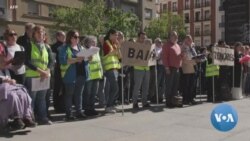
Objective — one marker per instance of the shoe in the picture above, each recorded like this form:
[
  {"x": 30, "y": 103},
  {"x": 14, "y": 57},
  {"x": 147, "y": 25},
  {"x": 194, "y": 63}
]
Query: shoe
[
  {"x": 81, "y": 116},
  {"x": 110, "y": 110},
  {"x": 29, "y": 123},
  {"x": 91, "y": 113},
  {"x": 17, "y": 124},
  {"x": 169, "y": 105},
  {"x": 146, "y": 105},
  {"x": 70, "y": 118},
  {"x": 45, "y": 122},
  {"x": 135, "y": 106}
]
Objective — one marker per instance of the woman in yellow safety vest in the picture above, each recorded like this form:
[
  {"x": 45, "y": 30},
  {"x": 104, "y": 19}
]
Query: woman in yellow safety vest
[
  {"x": 111, "y": 65},
  {"x": 73, "y": 74},
  {"x": 37, "y": 66},
  {"x": 95, "y": 73}
]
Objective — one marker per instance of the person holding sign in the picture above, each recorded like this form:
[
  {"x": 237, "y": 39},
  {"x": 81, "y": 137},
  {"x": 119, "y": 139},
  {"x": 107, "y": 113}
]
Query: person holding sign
[
  {"x": 111, "y": 65},
  {"x": 73, "y": 73},
  {"x": 188, "y": 70},
  {"x": 172, "y": 60},
  {"x": 95, "y": 74},
  {"x": 37, "y": 62},
  {"x": 141, "y": 79},
  {"x": 15, "y": 56}
]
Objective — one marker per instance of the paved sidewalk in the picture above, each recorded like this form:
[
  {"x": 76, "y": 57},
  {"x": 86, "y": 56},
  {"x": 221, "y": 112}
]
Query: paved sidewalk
[{"x": 156, "y": 124}]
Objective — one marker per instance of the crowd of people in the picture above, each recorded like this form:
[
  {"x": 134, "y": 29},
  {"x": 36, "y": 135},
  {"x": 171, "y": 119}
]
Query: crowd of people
[{"x": 83, "y": 82}]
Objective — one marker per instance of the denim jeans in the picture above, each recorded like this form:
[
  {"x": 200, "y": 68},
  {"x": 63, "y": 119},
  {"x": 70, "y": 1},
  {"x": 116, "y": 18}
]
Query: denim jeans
[
  {"x": 111, "y": 87},
  {"x": 90, "y": 91},
  {"x": 38, "y": 101},
  {"x": 101, "y": 91},
  {"x": 141, "y": 81},
  {"x": 73, "y": 91}
]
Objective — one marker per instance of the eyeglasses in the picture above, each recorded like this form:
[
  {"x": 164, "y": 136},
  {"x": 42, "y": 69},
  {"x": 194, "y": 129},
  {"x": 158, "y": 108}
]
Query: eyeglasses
[
  {"x": 12, "y": 34},
  {"x": 76, "y": 37}
]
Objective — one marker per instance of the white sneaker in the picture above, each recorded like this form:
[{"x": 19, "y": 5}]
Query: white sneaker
[
  {"x": 110, "y": 110},
  {"x": 114, "y": 108}
]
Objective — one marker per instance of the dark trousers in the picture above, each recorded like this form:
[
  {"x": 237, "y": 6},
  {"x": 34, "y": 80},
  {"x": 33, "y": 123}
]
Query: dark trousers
[
  {"x": 173, "y": 83},
  {"x": 59, "y": 90},
  {"x": 188, "y": 86},
  {"x": 210, "y": 86}
]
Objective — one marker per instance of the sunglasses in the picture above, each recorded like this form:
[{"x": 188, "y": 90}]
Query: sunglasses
[
  {"x": 76, "y": 37},
  {"x": 12, "y": 34}
]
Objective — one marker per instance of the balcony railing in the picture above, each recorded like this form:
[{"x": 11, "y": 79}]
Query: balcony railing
[
  {"x": 197, "y": 33},
  {"x": 186, "y": 7},
  {"x": 174, "y": 9},
  {"x": 207, "y": 4},
  {"x": 197, "y": 5}
]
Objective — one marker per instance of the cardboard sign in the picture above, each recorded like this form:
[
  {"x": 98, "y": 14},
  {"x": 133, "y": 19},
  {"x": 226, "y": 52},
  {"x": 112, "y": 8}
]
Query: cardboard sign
[
  {"x": 137, "y": 54},
  {"x": 223, "y": 56}
]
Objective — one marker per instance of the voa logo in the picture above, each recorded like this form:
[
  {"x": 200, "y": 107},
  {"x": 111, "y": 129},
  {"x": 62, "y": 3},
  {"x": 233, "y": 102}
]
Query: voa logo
[{"x": 224, "y": 117}]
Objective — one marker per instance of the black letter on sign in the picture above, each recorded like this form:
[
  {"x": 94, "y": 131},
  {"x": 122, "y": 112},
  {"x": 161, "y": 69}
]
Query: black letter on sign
[
  {"x": 131, "y": 53},
  {"x": 140, "y": 55}
]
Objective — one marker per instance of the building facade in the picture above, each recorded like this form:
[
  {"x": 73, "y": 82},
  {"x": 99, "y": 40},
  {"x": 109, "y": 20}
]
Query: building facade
[
  {"x": 146, "y": 10},
  {"x": 15, "y": 13},
  {"x": 237, "y": 19},
  {"x": 204, "y": 19}
]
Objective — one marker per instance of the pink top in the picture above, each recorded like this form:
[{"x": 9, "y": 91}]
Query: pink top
[{"x": 171, "y": 55}]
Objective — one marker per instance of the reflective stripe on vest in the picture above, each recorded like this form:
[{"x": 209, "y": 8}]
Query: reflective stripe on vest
[
  {"x": 141, "y": 68},
  {"x": 95, "y": 68},
  {"x": 40, "y": 59},
  {"x": 65, "y": 67},
  {"x": 212, "y": 70},
  {"x": 111, "y": 61}
]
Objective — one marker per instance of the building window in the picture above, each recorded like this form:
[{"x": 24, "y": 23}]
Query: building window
[
  {"x": 148, "y": 13},
  {"x": 207, "y": 15},
  {"x": 51, "y": 10},
  {"x": 186, "y": 17},
  {"x": 206, "y": 30},
  {"x": 197, "y": 16},
  {"x": 197, "y": 43},
  {"x": 33, "y": 8},
  {"x": 187, "y": 4},
  {"x": 207, "y": 42},
  {"x": 197, "y": 3},
  {"x": 207, "y": 3},
  {"x": 222, "y": 35},
  {"x": 165, "y": 8},
  {"x": 174, "y": 6},
  {"x": 197, "y": 31}
]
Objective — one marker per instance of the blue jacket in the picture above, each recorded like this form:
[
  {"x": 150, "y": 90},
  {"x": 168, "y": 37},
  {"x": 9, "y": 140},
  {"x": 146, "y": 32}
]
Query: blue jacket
[{"x": 71, "y": 73}]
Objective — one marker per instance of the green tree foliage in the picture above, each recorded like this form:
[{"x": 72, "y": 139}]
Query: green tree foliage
[
  {"x": 92, "y": 18},
  {"x": 162, "y": 26},
  {"x": 127, "y": 22}
]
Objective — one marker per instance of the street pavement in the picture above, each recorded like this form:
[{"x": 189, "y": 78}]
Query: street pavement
[{"x": 191, "y": 123}]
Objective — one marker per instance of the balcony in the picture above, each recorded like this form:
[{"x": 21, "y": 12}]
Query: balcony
[
  {"x": 197, "y": 34},
  {"x": 197, "y": 5},
  {"x": 186, "y": 7},
  {"x": 207, "y": 4},
  {"x": 174, "y": 9},
  {"x": 5, "y": 14},
  {"x": 207, "y": 18},
  {"x": 207, "y": 33}
]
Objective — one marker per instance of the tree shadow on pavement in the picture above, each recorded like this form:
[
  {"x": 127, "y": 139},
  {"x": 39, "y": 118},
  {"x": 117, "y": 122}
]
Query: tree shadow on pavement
[{"x": 11, "y": 134}]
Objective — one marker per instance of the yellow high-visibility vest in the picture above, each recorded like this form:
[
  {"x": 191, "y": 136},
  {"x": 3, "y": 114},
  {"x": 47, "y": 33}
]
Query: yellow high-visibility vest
[
  {"x": 95, "y": 68},
  {"x": 64, "y": 67},
  {"x": 111, "y": 61},
  {"x": 39, "y": 59},
  {"x": 212, "y": 70}
]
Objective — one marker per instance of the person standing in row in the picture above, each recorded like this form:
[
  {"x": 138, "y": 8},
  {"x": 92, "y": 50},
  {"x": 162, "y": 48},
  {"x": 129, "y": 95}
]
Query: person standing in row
[
  {"x": 188, "y": 69},
  {"x": 141, "y": 79},
  {"x": 111, "y": 65},
  {"x": 73, "y": 73},
  {"x": 94, "y": 76},
  {"x": 37, "y": 62},
  {"x": 172, "y": 60},
  {"x": 58, "y": 91},
  {"x": 24, "y": 40},
  {"x": 17, "y": 71}
]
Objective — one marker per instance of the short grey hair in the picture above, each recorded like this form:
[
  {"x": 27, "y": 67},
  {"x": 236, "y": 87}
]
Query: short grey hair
[
  {"x": 29, "y": 26},
  {"x": 88, "y": 39}
]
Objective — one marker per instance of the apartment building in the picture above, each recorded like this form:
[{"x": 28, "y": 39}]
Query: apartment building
[
  {"x": 146, "y": 10},
  {"x": 204, "y": 19}
]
